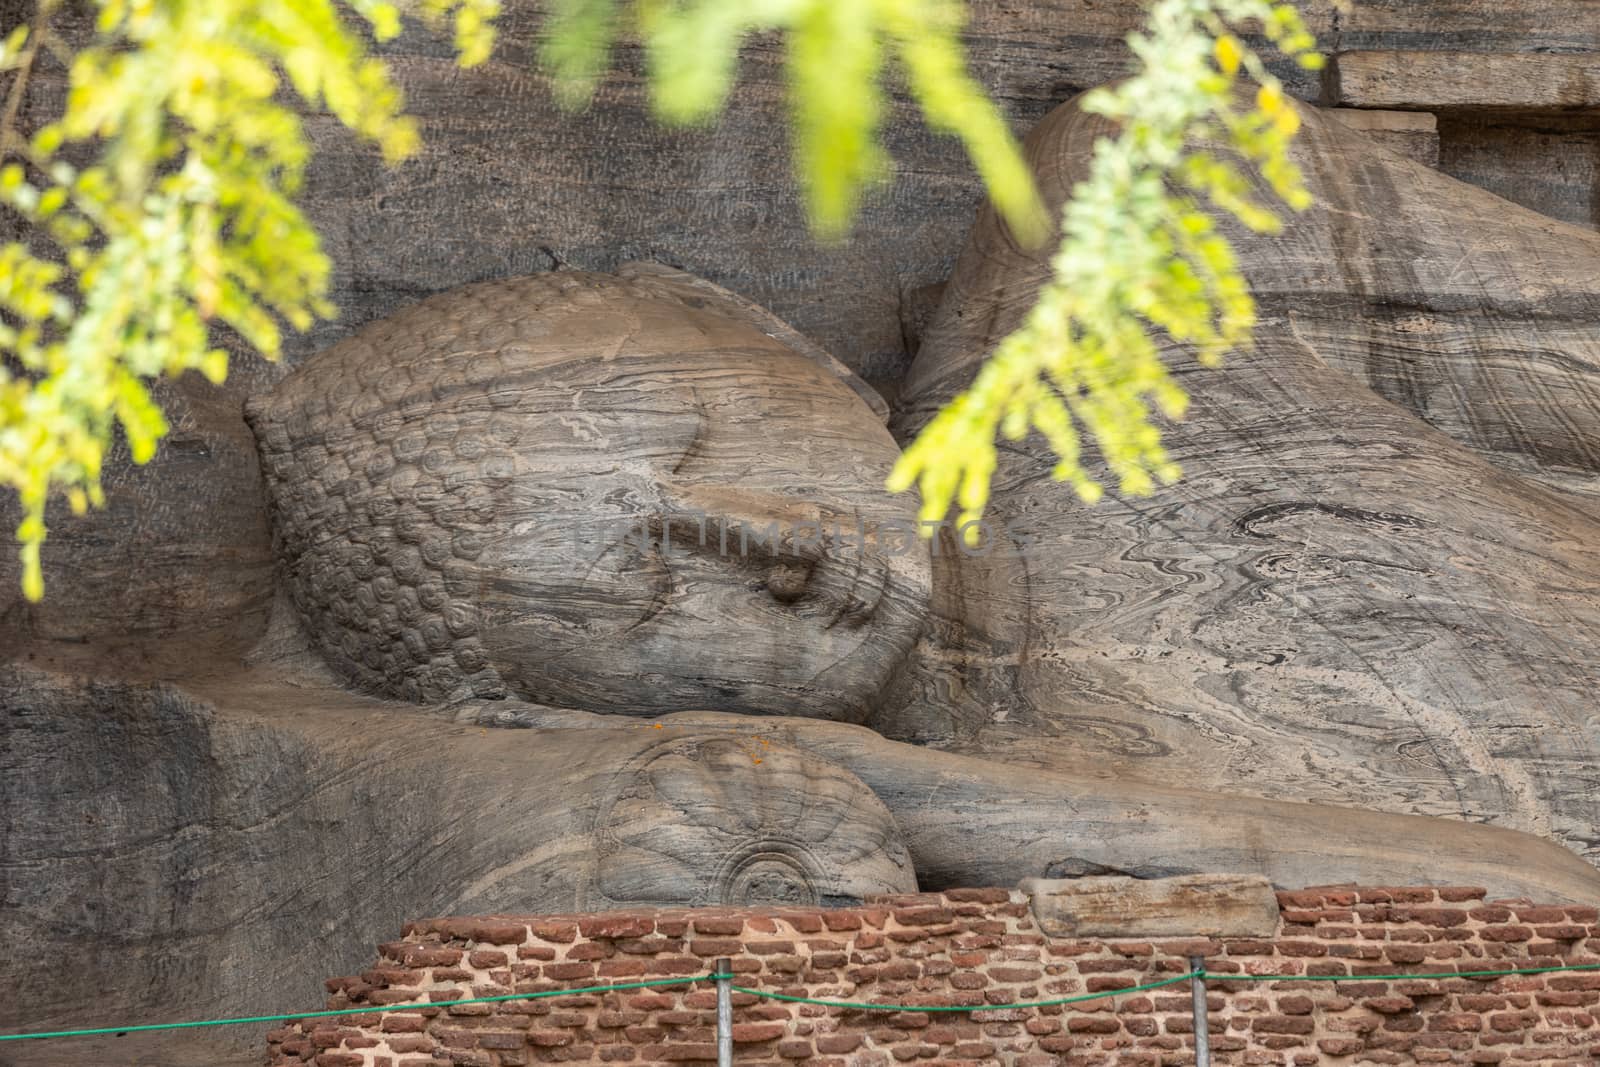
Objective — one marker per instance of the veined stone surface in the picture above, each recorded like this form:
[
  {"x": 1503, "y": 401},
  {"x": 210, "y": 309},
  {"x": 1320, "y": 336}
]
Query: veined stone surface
[{"x": 1375, "y": 584}]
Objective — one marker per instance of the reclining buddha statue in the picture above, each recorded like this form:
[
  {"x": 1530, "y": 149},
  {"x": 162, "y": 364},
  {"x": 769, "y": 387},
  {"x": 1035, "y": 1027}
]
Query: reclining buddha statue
[{"x": 585, "y": 592}]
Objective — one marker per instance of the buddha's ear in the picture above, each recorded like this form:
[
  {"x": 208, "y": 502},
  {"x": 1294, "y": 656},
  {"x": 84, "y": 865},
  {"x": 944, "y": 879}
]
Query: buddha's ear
[{"x": 681, "y": 283}]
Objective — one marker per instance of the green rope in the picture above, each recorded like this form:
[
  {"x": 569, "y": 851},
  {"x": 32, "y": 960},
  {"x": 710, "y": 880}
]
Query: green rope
[
  {"x": 845, "y": 1004},
  {"x": 1201, "y": 974},
  {"x": 120, "y": 1030},
  {"x": 964, "y": 1007},
  {"x": 1391, "y": 977}
]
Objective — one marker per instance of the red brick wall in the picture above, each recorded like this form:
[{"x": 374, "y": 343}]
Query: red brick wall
[{"x": 976, "y": 946}]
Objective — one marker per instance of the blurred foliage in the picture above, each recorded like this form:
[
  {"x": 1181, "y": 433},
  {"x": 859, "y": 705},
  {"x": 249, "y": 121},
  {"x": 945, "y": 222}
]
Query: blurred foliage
[
  {"x": 837, "y": 54},
  {"x": 1140, "y": 262},
  {"x": 159, "y": 204}
]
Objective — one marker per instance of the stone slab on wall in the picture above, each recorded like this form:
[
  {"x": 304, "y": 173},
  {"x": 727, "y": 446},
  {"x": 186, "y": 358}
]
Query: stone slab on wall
[
  {"x": 976, "y": 947},
  {"x": 1213, "y": 905},
  {"x": 1436, "y": 80}
]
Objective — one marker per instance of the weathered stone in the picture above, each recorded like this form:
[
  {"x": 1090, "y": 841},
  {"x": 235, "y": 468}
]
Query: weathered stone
[
  {"x": 1440, "y": 80},
  {"x": 1412, "y": 134},
  {"x": 1544, "y": 160},
  {"x": 133, "y": 797},
  {"x": 1394, "y": 352},
  {"x": 1199, "y": 905},
  {"x": 176, "y": 567}
]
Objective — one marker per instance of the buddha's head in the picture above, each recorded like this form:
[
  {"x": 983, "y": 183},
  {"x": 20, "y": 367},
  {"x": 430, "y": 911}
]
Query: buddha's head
[{"x": 609, "y": 493}]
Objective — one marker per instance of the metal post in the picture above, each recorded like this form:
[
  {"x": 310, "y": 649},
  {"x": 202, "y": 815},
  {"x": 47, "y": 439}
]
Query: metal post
[
  {"x": 1202, "y": 1030},
  {"x": 724, "y": 976}
]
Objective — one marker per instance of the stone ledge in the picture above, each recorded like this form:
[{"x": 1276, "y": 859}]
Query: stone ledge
[{"x": 1434, "y": 81}]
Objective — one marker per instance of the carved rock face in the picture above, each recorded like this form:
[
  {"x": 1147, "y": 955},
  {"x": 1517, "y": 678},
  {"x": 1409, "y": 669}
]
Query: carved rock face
[
  {"x": 703, "y": 819},
  {"x": 499, "y": 490},
  {"x": 1375, "y": 583},
  {"x": 177, "y": 568}
]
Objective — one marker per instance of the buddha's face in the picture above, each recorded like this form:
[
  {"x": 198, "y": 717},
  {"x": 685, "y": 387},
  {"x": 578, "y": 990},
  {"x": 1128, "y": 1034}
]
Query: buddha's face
[{"x": 595, "y": 493}]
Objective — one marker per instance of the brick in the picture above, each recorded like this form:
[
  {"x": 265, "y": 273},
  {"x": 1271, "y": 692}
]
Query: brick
[
  {"x": 1403, "y": 894},
  {"x": 716, "y": 946},
  {"x": 1457, "y": 894},
  {"x": 977, "y": 896},
  {"x": 1020, "y": 975},
  {"x": 1405, "y": 953},
  {"x": 1093, "y": 1024},
  {"x": 403, "y": 1024},
  {"x": 922, "y": 916},
  {"x": 1295, "y": 1005},
  {"x": 418, "y": 1042},
  {"x": 1340, "y": 1046},
  {"x": 457, "y": 1038},
  {"x": 1283, "y": 1024},
  {"x": 391, "y": 976},
  {"x": 1563, "y": 932},
  {"x": 686, "y": 1053},
  {"x": 615, "y": 926},
  {"x": 549, "y": 1038},
  {"x": 1541, "y": 915},
  {"x": 769, "y": 948},
  {"x": 754, "y": 1033},
  {"x": 1389, "y": 1005},
  {"x": 560, "y": 933},
  {"x": 413, "y": 955},
  {"x": 1302, "y": 948},
  {"x": 489, "y": 932}
]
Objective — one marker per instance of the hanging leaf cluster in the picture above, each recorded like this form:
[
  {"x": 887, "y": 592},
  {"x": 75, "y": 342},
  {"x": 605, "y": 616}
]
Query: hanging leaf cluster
[
  {"x": 159, "y": 206},
  {"x": 1141, "y": 263},
  {"x": 837, "y": 58}
]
